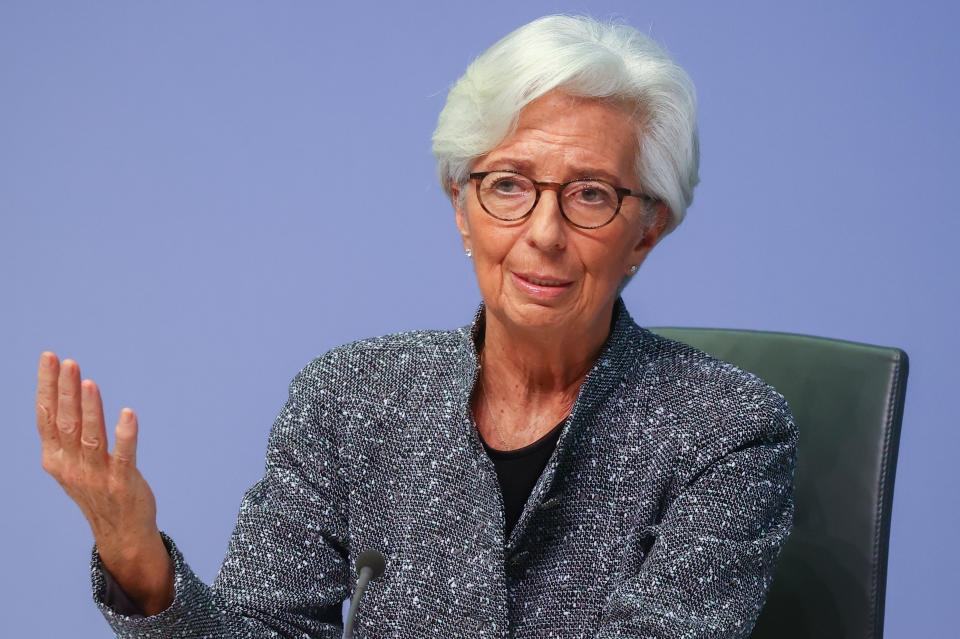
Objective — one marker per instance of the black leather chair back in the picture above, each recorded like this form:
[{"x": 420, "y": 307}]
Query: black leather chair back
[{"x": 847, "y": 400}]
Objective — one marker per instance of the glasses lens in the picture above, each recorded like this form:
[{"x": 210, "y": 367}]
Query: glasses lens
[
  {"x": 506, "y": 195},
  {"x": 590, "y": 203}
]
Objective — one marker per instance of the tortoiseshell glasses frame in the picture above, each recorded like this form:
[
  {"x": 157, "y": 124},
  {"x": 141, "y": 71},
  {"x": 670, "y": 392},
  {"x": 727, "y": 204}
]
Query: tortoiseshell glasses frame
[{"x": 562, "y": 192}]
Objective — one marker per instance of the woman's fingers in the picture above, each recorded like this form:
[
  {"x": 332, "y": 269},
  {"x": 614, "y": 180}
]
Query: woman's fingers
[
  {"x": 125, "y": 448},
  {"x": 68, "y": 410},
  {"x": 47, "y": 372},
  {"x": 70, "y": 421},
  {"x": 93, "y": 433}
]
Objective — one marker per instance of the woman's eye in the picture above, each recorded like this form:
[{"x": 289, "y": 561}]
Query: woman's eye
[
  {"x": 591, "y": 194},
  {"x": 506, "y": 186}
]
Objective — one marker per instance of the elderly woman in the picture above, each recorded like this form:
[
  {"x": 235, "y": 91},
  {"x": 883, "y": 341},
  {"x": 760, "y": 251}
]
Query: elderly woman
[{"x": 552, "y": 470}]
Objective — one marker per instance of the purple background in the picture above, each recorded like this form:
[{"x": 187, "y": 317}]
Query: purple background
[{"x": 197, "y": 198}]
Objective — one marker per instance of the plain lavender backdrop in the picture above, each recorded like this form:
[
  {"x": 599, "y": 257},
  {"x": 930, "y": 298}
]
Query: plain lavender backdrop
[{"x": 197, "y": 198}]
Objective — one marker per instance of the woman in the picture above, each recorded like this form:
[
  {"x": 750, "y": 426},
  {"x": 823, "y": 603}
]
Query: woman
[{"x": 552, "y": 469}]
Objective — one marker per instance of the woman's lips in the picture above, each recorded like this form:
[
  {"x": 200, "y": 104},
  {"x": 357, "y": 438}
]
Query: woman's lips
[{"x": 541, "y": 286}]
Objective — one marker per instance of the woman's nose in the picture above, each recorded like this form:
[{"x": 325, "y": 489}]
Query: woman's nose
[{"x": 546, "y": 228}]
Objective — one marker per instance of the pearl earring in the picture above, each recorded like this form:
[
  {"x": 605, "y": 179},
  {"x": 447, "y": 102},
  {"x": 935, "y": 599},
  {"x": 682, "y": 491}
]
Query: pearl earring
[
  {"x": 469, "y": 253},
  {"x": 633, "y": 269}
]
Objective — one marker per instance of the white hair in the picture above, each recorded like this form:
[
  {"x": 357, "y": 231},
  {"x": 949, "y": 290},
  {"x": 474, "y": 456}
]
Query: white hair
[{"x": 585, "y": 57}]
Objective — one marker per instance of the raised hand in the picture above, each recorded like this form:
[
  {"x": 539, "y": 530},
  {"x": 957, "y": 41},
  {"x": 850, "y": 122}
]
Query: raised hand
[{"x": 111, "y": 492}]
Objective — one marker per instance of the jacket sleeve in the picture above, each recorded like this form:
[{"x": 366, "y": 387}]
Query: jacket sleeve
[
  {"x": 713, "y": 552},
  {"x": 114, "y": 596},
  {"x": 285, "y": 573}
]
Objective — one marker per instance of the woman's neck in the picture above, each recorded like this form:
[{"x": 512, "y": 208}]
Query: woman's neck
[
  {"x": 538, "y": 363},
  {"x": 529, "y": 379}
]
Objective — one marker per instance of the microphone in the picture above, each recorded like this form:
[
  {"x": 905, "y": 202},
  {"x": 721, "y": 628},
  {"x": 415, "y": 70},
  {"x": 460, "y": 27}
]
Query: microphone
[{"x": 370, "y": 565}]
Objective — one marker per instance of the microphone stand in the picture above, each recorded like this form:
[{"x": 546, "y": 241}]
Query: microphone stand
[{"x": 370, "y": 565}]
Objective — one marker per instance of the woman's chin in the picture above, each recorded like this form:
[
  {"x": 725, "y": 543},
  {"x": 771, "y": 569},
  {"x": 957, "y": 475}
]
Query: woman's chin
[{"x": 526, "y": 313}]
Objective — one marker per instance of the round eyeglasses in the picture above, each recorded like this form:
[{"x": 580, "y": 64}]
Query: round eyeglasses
[{"x": 587, "y": 203}]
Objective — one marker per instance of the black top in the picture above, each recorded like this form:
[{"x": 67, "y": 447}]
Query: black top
[{"x": 518, "y": 471}]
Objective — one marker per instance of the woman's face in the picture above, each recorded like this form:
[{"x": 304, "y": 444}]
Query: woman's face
[{"x": 542, "y": 271}]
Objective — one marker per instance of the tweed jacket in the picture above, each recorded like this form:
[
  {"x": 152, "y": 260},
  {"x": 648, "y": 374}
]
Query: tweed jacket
[{"x": 661, "y": 512}]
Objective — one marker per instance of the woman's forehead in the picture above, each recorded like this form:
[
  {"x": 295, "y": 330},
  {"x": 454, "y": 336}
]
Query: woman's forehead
[{"x": 558, "y": 132}]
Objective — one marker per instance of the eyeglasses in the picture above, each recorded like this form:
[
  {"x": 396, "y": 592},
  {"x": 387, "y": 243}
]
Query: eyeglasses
[{"x": 587, "y": 203}]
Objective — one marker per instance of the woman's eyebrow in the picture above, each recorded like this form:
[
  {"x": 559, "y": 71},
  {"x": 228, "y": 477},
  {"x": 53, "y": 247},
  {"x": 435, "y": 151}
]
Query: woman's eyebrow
[
  {"x": 613, "y": 178},
  {"x": 515, "y": 164},
  {"x": 527, "y": 168}
]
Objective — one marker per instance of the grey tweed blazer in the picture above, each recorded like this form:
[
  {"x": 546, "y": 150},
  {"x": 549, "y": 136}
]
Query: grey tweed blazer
[{"x": 661, "y": 512}]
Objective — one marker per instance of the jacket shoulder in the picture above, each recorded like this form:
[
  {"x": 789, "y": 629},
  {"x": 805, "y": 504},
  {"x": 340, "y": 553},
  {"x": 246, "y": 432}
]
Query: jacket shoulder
[
  {"x": 697, "y": 373},
  {"x": 717, "y": 405},
  {"x": 382, "y": 365}
]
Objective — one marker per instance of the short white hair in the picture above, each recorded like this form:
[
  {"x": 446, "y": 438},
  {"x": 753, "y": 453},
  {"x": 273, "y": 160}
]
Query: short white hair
[{"x": 585, "y": 57}]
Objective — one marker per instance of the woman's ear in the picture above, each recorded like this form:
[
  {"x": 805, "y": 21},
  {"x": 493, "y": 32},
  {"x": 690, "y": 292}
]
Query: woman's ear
[
  {"x": 661, "y": 215},
  {"x": 461, "y": 215}
]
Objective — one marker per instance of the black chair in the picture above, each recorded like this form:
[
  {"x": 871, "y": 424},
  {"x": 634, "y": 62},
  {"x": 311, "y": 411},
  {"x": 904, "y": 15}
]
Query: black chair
[{"x": 847, "y": 400}]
